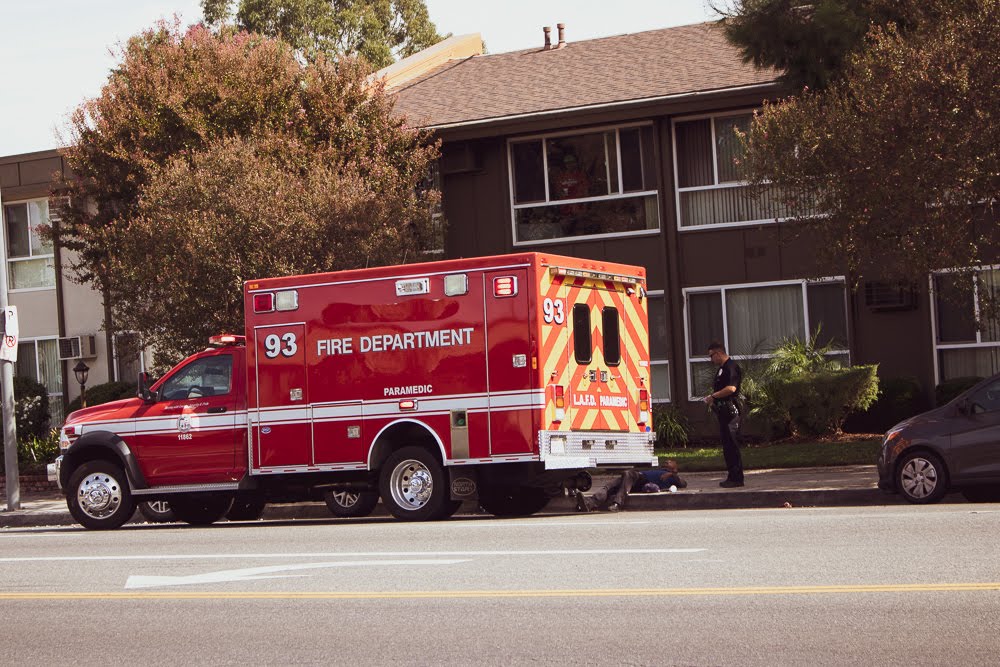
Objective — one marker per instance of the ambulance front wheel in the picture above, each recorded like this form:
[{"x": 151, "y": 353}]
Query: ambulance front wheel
[
  {"x": 98, "y": 496},
  {"x": 413, "y": 485}
]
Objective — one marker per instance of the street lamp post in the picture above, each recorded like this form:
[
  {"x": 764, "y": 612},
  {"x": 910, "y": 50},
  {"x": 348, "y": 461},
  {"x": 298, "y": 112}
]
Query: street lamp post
[{"x": 80, "y": 371}]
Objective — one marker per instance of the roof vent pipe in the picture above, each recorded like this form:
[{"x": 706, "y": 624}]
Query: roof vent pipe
[
  {"x": 562, "y": 37},
  {"x": 548, "y": 38}
]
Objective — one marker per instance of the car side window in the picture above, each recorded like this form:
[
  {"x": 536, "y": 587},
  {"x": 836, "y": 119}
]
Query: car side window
[
  {"x": 208, "y": 376},
  {"x": 986, "y": 399}
]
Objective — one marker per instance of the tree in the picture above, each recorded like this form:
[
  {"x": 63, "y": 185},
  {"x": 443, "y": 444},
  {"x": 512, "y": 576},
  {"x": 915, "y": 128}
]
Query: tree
[
  {"x": 209, "y": 159},
  {"x": 894, "y": 169},
  {"x": 378, "y": 30},
  {"x": 810, "y": 43}
]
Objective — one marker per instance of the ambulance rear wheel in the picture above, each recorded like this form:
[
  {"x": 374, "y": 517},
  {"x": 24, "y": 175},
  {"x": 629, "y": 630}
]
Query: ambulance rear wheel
[
  {"x": 350, "y": 504},
  {"x": 513, "y": 500},
  {"x": 98, "y": 496},
  {"x": 413, "y": 485},
  {"x": 201, "y": 509}
]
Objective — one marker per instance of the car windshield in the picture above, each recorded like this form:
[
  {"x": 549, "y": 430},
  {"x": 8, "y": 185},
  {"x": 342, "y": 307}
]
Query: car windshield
[{"x": 986, "y": 398}]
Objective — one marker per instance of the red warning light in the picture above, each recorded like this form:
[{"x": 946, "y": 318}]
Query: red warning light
[
  {"x": 263, "y": 303},
  {"x": 504, "y": 286}
]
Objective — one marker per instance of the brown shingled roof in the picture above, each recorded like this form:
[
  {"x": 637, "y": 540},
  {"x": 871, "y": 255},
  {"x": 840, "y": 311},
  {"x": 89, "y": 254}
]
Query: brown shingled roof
[{"x": 657, "y": 63}]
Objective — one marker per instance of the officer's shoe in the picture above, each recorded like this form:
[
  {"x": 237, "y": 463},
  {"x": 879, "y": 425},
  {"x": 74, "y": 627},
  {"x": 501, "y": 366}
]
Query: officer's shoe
[{"x": 730, "y": 484}]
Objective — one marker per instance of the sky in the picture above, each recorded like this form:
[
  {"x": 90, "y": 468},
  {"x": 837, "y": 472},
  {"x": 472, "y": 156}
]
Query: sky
[{"x": 56, "y": 53}]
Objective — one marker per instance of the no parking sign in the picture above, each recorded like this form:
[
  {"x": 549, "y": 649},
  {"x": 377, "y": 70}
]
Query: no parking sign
[{"x": 8, "y": 347}]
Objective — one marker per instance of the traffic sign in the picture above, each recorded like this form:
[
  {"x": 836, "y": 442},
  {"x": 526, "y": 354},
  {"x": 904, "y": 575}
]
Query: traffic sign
[{"x": 8, "y": 347}]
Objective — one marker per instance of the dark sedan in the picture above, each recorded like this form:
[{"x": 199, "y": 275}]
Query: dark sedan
[{"x": 953, "y": 447}]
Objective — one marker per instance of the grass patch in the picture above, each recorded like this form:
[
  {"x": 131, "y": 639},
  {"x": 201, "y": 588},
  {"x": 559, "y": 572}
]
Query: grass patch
[{"x": 784, "y": 454}]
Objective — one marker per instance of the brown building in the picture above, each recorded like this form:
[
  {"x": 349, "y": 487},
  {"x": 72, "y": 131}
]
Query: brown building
[{"x": 622, "y": 149}]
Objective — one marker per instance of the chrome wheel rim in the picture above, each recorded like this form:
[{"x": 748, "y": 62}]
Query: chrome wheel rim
[
  {"x": 99, "y": 495},
  {"x": 919, "y": 478},
  {"x": 346, "y": 498},
  {"x": 411, "y": 484}
]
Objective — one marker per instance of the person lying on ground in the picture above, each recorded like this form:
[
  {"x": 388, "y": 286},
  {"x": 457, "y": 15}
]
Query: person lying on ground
[{"x": 613, "y": 496}]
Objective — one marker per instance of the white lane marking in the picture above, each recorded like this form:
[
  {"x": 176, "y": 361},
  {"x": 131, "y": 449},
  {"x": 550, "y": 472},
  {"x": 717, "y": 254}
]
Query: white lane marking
[
  {"x": 358, "y": 554},
  {"x": 270, "y": 572},
  {"x": 544, "y": 524}
]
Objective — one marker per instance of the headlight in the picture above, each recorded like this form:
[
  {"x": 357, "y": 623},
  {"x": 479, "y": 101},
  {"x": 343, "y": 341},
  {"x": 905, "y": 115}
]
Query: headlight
[{"x": 64, "y": 437}]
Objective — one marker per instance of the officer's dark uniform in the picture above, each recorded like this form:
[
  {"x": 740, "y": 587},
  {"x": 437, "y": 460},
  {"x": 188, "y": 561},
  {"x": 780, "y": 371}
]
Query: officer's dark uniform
[{"x": 730, "y": 419}]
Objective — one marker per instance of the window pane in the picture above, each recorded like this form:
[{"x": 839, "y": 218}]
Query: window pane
[
  {"x": 694, "y": 153},
  {"x": 728, "y": 147},
  {"x": 956, "y": 317},
  {"x": 210, "y": 376},
  {"x": 127, "y": 353},
  {"x": 25, "y": 274},
  {"x": 657, "y": 327},
  {"x": 704, "y": 321},
  {"x": 759, "y": 319},
  {"x": 38, "y": 214},
  {"x": 828, "y": 313},
  {"x": 529, "y": 173},
  {"x": 611, "y": 153},
  {"x": 969, "y": 362},
  {"x": 986, "y": 399},
  {"x": 48, "y": 366},
  {"x": 584, "y": 218},
  {"x": 581, "y": 333},
  {"x": 660, "y": 382},
  {"x": 577, "y": 166},
  {"x": 612, "y": 339},
  {"x": 26, "y": 362},
  {"x": 989, "y": 305},
  {"x": 18, "y": 241},
  {"x": 702, "y": 375}
]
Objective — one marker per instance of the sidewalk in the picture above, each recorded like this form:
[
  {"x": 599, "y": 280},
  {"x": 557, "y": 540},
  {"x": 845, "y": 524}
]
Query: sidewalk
[{"x": 791, "y": 487}]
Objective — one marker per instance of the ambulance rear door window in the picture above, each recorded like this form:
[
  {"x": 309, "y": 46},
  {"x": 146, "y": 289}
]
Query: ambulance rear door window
[
  {"x": 612, "y": 338},
  {"x": 581, "y": 334}
]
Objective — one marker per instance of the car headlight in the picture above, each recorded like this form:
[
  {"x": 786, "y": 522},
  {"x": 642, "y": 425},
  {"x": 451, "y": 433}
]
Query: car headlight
[{"x": 891, "y": 435}]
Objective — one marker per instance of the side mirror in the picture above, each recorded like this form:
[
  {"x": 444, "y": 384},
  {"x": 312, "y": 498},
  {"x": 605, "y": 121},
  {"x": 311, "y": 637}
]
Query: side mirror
[{"x": 143, "y": 391}]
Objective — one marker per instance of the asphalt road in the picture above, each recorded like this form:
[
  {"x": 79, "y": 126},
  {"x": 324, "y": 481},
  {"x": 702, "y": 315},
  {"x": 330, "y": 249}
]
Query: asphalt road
[{"x": 884, "y": 585}]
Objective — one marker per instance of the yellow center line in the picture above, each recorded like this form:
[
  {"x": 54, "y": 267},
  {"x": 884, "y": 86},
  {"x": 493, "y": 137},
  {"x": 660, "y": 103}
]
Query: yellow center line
[{"x": 569, "y": 593}]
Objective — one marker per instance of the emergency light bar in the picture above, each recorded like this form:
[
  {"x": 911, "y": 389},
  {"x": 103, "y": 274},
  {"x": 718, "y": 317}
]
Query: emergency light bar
[
  {"x": 596, "y": 275},
  {"x": 223, "y": 340}
]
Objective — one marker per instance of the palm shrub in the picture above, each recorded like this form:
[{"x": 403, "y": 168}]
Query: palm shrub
[
  {"x": 801, "y": 390},
  {"x": 671, "y": 427}
]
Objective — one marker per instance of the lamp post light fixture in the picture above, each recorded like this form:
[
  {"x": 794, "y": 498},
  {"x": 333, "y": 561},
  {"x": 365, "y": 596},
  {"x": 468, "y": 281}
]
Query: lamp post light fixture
[{"x": 80, "y": 371}]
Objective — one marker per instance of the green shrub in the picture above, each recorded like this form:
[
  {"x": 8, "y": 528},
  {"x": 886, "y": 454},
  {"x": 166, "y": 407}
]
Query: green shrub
[
  {"x": 33, "y": 452},
  {"x": 31, "y": 408},
  {"x": 949, "y": 389},
  {"x": 818, "y": 402},
  {"x": 801, "y": 389},
  {"x": 898, "y": 399},
  {"x": 105, "y": 393},
  {"x": 671, "y": 426}
]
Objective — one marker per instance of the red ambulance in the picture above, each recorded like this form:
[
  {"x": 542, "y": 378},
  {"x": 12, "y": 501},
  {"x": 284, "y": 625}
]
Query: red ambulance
[{"x": 498, "y": 379}]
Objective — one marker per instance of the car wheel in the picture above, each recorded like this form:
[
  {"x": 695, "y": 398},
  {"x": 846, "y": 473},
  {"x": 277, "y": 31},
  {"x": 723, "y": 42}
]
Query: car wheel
[
  {"x": 412, "y": 485},
  {"x": 348, "y": 503},
  {"x": 98, "y": 496},
  {"x": 982, "y": 494},
  {"x": 921, "y": 478},
  {"x": 157, "y": 511},
  {"x": 513, "y": 500},
  {"x": 201, "y": 509}
]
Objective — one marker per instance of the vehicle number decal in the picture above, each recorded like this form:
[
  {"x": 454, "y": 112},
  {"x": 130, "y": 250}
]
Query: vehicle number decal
[
  {"x": 553, "y": 310},
  {"x": 273, "y": 345}
]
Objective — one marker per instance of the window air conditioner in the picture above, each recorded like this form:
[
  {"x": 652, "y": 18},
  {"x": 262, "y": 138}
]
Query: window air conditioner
[
  {"x": 78, "y": 347},
  {"x": 881, "y": 296}
]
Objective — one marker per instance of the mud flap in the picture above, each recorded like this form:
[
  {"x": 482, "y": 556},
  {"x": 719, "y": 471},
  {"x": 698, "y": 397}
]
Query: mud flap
[{"x": 463, "y": 482}]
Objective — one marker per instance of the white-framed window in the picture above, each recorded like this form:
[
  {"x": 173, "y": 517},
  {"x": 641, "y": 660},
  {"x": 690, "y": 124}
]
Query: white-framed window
[
  {"x": 586, "y": 183},
  {"x": 966, "y": 334},
  {"x": 38, "y": 358},
  {"x": 752, "y": 320},
  {"x": 129, "y": 358},
  {"x": 659, "y": 370},
  {"x": 30, "y": 258},
  {"x": 708, "y": 177}
]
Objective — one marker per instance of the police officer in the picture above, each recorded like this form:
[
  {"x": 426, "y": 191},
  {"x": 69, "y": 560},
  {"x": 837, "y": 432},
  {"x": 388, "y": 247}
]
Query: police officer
[{"x": 722, "y": 400}]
